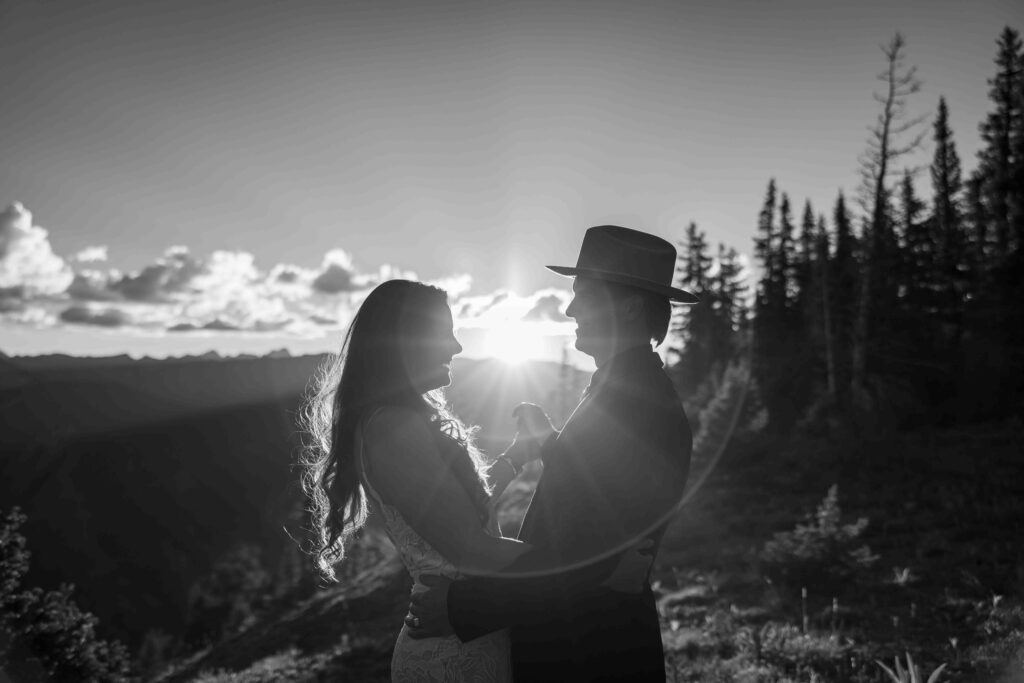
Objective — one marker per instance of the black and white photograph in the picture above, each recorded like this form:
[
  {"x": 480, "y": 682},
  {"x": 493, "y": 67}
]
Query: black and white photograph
[{"x": 482, "y": 341}]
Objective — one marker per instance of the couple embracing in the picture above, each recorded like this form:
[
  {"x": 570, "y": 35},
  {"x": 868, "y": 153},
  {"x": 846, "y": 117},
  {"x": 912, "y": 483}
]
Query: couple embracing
[{"x": 567, "y": 598}]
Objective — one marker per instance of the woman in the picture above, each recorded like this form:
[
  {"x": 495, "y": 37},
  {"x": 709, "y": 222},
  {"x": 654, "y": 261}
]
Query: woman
[{"x": 383, "y": 436}]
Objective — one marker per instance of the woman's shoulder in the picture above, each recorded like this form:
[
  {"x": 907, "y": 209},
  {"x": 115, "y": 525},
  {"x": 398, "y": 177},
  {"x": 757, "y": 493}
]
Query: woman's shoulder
[
  {"x": 395, "y": 429},
  {"x": 388, "y": 419}
]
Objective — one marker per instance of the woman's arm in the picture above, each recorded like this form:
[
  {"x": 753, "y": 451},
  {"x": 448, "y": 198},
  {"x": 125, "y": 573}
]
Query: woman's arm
[
  {"x": 534, "y": 428},
  {"x": 402, "y": 461},
  {"x": 500, "y": 474}
]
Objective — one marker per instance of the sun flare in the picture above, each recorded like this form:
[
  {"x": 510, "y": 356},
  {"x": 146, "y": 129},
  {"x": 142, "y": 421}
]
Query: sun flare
[{"x": 512, "y": 344}]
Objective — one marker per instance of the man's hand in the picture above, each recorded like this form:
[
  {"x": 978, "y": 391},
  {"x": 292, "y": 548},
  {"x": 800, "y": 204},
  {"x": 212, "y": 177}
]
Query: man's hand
[
  {"x": 428, "y": 608},
  {"x": 534, "y": 427}
]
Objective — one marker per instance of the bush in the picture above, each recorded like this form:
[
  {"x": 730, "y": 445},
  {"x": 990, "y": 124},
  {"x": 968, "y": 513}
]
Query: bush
[
  {"x": 228, "y": 598},
  {"x": 820, "y": 552},
  {"x": 44, "y": 634}
]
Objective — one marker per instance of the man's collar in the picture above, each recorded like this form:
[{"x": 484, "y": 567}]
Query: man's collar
[{"x": 622, "y": 363}]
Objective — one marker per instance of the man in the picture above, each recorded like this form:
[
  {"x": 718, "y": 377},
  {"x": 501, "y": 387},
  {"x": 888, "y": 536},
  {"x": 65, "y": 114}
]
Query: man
[{"x": 612, "y": 476}]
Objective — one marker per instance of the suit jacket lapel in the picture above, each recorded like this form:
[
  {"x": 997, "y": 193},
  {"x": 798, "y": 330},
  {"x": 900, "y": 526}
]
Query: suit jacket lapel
[{"x": 536, "y": 521}]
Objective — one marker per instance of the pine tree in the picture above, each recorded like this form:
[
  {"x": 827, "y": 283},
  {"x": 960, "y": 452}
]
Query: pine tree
[
  {"x": 884, "y": 150},
  {"x": 951, "y": 262},
  {"x": 785, "y": 260},
  {"x": 228, "y": 597},
  {"x": 917, "y": 275},
  {"x": 775, "y": 360},
  {"x": 978, "y": 236},
  {"x": 728, "y": 307},
  {"x": 44, "y": 635},
  {"x": 998, "y": 160},
  {"x": 692, "y": 326},
  {"x": 844, "y": 276},
  {"x": 764, "y": 248},
  {"x": 822, "y": 277},
  {"x": 806, "y": 254}
]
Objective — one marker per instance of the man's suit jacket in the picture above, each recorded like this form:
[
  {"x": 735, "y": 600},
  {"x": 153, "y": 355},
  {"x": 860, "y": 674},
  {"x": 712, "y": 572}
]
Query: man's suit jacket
[{"x": 614, "y": 474}]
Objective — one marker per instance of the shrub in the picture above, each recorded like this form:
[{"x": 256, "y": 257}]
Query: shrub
[
  {"x": 820, "y": 551},
  {"x": 44, "y": 634},
  {"x": 228, "y": 598}
]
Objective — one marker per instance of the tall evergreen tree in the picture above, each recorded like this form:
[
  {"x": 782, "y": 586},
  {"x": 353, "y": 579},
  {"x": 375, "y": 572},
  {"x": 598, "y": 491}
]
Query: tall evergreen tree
[
  {"x": 728, "y": 289},
  {"x": 978, "y": 235},
  {"x": 773, "y": 355},
  {"x": 821, "y": 278},
  {"x": 806, "y": 255},
  {"x": 785, "y": 259},
  {"x": 844, "y": 278},
  {"x": 951, "y": 262},
  {"x": 885, "y": 147},
  {"x": 764, "y": 248},
  {"x": 999, "y": 161},
  {"x": 917, "y": 274},
  {"x": 693, "y": 325}
]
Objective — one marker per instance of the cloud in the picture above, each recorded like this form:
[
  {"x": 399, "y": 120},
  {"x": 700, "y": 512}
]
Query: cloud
[
  {"x": 220, "y": 325},
  {"x": 548, "y": 307},
  {"x": 502, "y": 308},
  {"x": 91, "y": 255},
  {"x": 223, "y": 292},
  {"x": 336, "y": 274},
  {"x": 92, "y": 285},
  {"x": 161, "y": 282},
  {"x": 84, "y": 315},
  {"x": 26, "y": 257}
]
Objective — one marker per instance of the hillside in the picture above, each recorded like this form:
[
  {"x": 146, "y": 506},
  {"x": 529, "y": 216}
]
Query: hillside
[
  {"x": 944, "y": 507},
  {"x": 138, "y": 476}
]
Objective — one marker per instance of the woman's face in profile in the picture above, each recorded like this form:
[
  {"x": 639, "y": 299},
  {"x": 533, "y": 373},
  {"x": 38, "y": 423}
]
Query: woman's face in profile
[{"x": 429, "y": 345}]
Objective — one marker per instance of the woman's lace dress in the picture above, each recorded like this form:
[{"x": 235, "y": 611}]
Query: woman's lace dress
[{"x": 483, "y": 660}]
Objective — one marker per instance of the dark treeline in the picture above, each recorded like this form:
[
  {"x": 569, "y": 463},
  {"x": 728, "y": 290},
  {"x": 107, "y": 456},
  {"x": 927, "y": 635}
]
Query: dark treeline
[{"x": 891, "y": 308}]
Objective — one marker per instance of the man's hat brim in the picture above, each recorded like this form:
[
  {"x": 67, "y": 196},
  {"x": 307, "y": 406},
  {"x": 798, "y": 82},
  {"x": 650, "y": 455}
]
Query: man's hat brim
[{"x": 673, "y": 293}]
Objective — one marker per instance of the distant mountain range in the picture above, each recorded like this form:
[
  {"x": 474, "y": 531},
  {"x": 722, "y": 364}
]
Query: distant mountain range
[{"x": 137, "y": 475}]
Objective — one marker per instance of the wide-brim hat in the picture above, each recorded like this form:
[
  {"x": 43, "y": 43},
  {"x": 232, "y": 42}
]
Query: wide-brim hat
[{"x": 628, "y": 257}]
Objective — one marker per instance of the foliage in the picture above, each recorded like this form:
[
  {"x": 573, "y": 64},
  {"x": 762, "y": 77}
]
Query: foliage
[
  {"x": 707, "y": 335},
  {"x": 820, "y": 549},
  {"x": 912, "y": 674},
  {"x": 44, "y": 634},
  {"x": 916, "y": 320},
  {"x": 228, "y": 597}
]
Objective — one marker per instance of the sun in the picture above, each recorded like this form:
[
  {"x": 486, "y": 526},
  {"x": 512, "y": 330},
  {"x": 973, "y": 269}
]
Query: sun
[{"x": 512, "y": 344}]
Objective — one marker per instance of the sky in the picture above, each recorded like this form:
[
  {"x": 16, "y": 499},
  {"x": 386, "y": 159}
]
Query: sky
[{"x": 235, "y": 175}]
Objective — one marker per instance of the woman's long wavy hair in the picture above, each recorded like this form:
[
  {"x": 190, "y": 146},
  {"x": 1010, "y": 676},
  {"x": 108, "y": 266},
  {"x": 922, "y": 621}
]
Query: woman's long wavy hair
[{"x": 370, "y": 372}]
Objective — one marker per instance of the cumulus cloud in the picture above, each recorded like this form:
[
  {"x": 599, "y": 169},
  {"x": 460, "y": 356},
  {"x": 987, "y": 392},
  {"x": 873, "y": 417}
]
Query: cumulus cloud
[
  {"x": 548, "y": 307},
  {"x": 336, "y": 274},
  {"x": 84, "y": 315},
  {"x": 26, "y": 257},
  {"x": 508, "y": 308},
  {"x": 91, "y": 255},
  {"x": 223, "y": 292},
  {"x": 92, "y": 285},
  {"x": 162, "y": 281}
]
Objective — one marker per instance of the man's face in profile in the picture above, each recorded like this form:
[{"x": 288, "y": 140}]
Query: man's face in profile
[{"x": 594, "y": 309}]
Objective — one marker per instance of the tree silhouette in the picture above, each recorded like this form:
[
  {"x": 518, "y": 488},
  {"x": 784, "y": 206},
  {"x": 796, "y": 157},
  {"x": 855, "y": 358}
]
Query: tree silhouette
[
  {"x": 885, "y": 147},
  {"x": 44, "y": 634}
]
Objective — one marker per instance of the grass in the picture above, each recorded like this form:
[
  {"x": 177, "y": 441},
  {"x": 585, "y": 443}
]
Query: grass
[{"x": 944, "y": 512}]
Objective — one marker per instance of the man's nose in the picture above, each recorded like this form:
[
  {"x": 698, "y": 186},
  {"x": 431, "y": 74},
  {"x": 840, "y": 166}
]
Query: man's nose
[{"x": 570, "y": 310}]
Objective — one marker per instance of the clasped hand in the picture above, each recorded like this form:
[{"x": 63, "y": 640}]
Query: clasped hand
[{"x": 533, "y": 429}]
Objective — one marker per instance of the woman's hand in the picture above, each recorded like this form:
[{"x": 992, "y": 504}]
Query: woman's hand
[
  {"x": 534, "y": 428},
  {"x": 630, "y": 575}
]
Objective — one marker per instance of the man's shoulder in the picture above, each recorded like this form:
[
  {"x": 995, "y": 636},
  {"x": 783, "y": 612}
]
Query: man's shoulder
[{"x": 647, "y": 381}]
